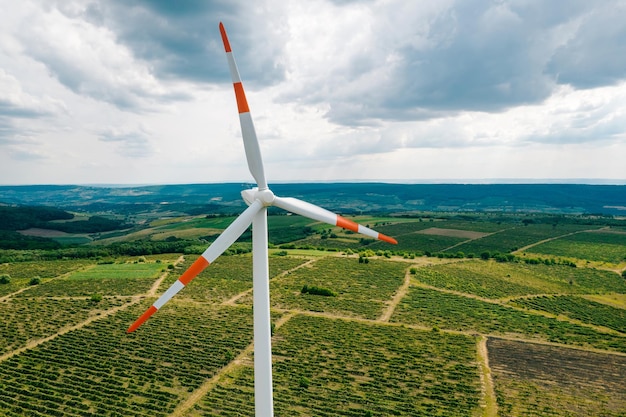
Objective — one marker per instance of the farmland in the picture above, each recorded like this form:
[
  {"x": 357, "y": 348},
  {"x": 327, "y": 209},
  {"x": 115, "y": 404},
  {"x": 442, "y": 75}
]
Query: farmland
[{"x": 398, "y": 331}]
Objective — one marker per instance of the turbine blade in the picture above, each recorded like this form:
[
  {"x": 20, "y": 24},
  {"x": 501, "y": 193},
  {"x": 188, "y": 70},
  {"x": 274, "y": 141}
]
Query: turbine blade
[
  {"x": 250, "y": 141},
  {"x": 228, "y": 236},
  {"x": 317, "y": 213}
]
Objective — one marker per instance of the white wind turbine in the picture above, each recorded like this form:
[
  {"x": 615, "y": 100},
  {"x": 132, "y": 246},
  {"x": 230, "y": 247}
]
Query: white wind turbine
[{"x": 258, "y": 200}]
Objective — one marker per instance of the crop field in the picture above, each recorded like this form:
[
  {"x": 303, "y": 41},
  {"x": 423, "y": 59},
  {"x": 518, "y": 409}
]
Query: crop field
[
  {"x": 578, "y": 308},
  {"x": 515, "y": 238},
  {"x": 328, "y": 367},
  {"x": 99, "y": 370},
  {"x": 501, "y": 280},
  {"x": 595, "y": 246},
  {"x": 226, "y": 277},
  {"x": 384, "y": 335},
  {"x": 25, "y": 319},
  {"x": 433, "y": 308},
  {"x": 104, "y": 279},
  {"x": 362, "y": 290},
  {"x": 539, "y": 380}
]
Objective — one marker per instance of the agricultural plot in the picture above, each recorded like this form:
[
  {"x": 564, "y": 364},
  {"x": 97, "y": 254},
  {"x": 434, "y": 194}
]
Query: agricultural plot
[
  {"x": 578, "y": 308},
  {"x": 326, "y": 367},
  {"x": 539, "y": 380},
  {"x": 426, "y": 242},
  {"x": 458, "y": 313},
  {"x": 226, "y": 277},
  {"x": 514, "y": 238},
  {"x": 492, "y": 279},
  {"x": 362, "y": 289},
  {"x": 23, "y": 320},
  {"x": 594, "y": 246},
  {"x": 47, "y": 269},
  {"x": 105, "y": 280},
  {"x": 99, "y": 370}
]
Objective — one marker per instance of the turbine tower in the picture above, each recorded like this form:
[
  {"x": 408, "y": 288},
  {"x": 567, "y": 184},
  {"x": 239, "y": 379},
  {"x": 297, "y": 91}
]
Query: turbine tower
[{"x": 258, "y": 200}]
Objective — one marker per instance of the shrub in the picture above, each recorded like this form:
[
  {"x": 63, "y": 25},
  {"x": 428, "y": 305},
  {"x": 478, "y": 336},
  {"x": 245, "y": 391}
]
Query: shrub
[
  {"x": 96, "y": 298},
  {"x": 35, "y": 281},
  {"x": 5, "y": 279},
  {"x": 317, "y": 291}
]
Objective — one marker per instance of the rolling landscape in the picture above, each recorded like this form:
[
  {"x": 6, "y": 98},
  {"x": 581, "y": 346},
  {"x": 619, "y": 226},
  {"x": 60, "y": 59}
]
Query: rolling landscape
[{"x": 499, "y": 300}]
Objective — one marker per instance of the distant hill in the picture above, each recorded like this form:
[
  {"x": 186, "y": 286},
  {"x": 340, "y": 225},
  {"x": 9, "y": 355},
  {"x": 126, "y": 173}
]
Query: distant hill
[{"x": 347, "y": 198}]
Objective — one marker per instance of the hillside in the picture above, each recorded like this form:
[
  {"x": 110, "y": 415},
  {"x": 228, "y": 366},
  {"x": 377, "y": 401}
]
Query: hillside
[{"x": 348, "y": 198}]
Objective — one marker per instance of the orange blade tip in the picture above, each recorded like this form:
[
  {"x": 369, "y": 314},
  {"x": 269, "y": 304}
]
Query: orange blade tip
[
  {"x": 145, "y": 316},
  {"x": 387, "y": 239},
  {"x": 225, "y": 38}
]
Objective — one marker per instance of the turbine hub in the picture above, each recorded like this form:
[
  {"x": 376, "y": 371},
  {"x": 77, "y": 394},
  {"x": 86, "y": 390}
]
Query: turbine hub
[{"x": 265, "y": 196}]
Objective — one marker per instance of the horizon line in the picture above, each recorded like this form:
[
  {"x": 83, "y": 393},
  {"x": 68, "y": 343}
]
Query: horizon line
[{"x": 442, "y": 181}]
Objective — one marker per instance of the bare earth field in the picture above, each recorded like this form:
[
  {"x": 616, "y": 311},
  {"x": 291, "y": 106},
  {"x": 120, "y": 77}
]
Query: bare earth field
[{"x": 465, "y": 234}]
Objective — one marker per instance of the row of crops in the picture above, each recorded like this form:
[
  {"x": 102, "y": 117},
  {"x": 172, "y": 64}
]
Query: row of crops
[
  {"x": 496, "y": 280},
  {"x": 99, "y": 370},
  {"x": 330, "y": 367}
]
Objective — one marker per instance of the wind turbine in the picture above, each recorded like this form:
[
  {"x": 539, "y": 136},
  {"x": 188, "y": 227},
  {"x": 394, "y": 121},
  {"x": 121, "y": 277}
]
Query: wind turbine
[{"x": 258, "y": 200}]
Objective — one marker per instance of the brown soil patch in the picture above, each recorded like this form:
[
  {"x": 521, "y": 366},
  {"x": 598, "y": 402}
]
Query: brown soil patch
[
  {"x": 464, "y": 234},
  {"x": 43, "y": 232}
]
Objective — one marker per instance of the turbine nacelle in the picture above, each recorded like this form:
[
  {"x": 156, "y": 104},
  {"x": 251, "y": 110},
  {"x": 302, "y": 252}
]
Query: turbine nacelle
[{"x": 266, "y": 196}]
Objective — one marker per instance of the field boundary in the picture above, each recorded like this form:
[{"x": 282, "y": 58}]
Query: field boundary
[
  {"x": 398, "y": 296},
  {"x": 486, "y": 379}
]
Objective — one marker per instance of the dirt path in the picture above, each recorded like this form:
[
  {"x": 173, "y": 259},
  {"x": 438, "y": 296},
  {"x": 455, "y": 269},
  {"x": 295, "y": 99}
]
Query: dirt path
[
  {"x": 155, "y": 287},
  {"x": 489, "y": 396},
  {"x": 397, "y": 297}
]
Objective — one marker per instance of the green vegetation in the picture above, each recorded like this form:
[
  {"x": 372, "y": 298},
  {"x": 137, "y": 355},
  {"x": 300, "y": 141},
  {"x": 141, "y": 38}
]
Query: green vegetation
[
  {"x": 432, "y": 308},
  {"x": 595, "y": 246},
  {"x": 500, "y": 280},
  {"x": 341, "y": 368},
  {"x": 360, "y": 328},
  {"x": 313, "y": 290},
  {"x": 578, "y": 308}
]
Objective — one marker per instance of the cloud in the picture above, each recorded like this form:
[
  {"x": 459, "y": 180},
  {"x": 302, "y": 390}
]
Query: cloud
[
  {"x": 595, "y": 54},
  {"x": 90, "y": 61},
  {"x": 413, "y": 61},
  {"x": 135, "y": 143},
  {"x": 180, "y": 40},
  {"x": 14, "y": 102}
]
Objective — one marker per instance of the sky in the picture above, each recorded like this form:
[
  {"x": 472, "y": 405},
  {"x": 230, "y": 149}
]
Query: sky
[{"x": 138, "y": 92}]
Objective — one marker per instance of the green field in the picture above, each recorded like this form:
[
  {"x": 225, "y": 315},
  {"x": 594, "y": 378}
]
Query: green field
[
  {"x": 609, "y": 246},
  {"x": 396, "y": 333}
]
